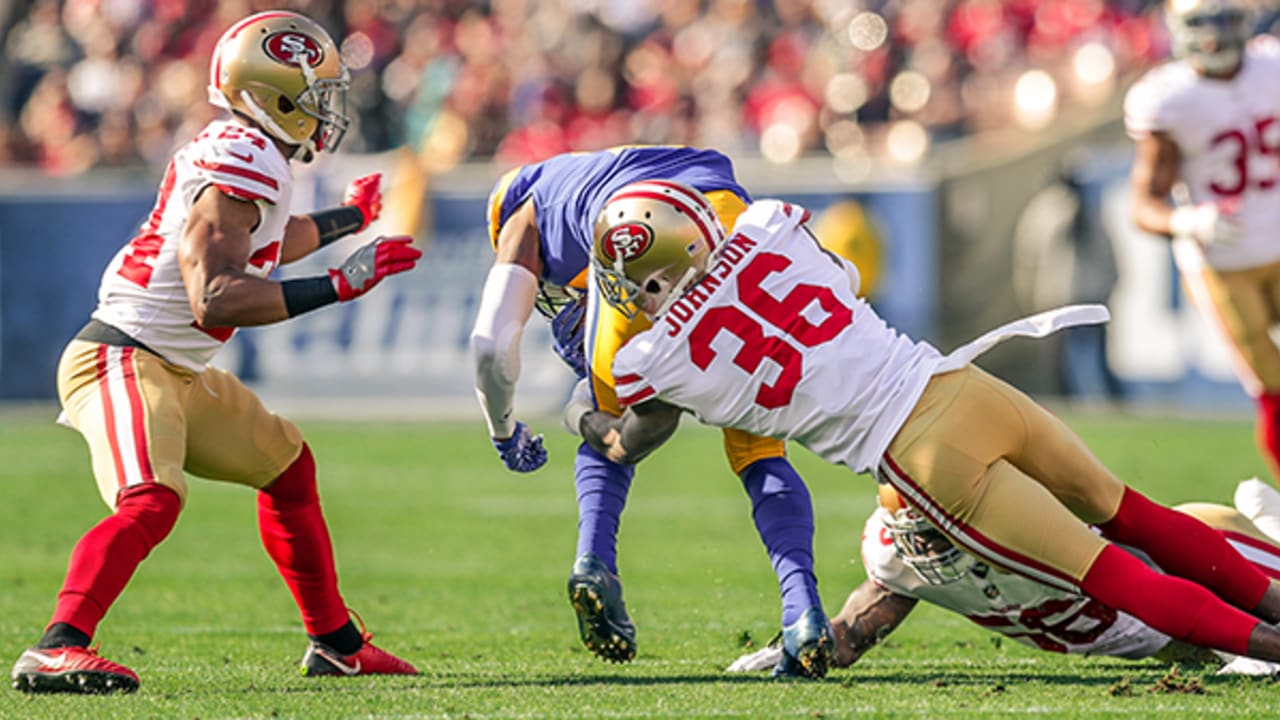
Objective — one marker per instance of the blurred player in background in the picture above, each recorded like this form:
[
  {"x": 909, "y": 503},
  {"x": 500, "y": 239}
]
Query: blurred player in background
[
  {"x": 907, "y": 561},
  {"x": 763, "y": 331},
  {"x": 1207, "y": 128},
  {"x": 135, "y": 381},
  {"x": 540, "y": 222}
]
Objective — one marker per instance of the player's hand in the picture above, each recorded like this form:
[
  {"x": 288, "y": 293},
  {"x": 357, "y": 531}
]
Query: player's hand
[
  {"x": 367, "y": 266},
  {"x": 365, "y": 194},
  {"x": 567, "y": 336},
  {"x": 1207, "y": 223},
  {"x": 522, "y": 452},
  {"x": 581, "y": 402}
]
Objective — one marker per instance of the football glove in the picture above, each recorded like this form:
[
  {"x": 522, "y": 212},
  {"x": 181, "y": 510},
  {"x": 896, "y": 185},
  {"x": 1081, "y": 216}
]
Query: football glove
[
  {"x": 1206, "y": 223},
  {"x": 365, "y": 194},
  {"x": 367, "y": 266},
  {"x": 567, "y": 331},
  {"x": 522, "y": 452}
]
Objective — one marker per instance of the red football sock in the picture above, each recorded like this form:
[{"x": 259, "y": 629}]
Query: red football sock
[
  {"x": 106, "y": 557},
  {"x": 1178, "y": 608},
  {"x": 1268, "y": 430},
  {"x": 297, "y": 539},
  {"x": 1184, "y": 546}
]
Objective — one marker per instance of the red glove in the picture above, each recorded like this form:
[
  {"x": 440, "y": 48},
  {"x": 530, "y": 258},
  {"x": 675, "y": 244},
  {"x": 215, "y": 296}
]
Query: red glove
[
  {"x": 366, "y": 267},
  {"x": 365, "y": 194}
]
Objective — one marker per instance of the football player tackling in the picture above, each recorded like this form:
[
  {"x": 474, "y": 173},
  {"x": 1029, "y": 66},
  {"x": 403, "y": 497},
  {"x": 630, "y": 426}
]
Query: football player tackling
[
  {"x": 540, "y": 223},
  {"x": 762, "y": 331},
  {"x": 135, "y": 381},
  {"x": 908, "y": 561},
  {"x": 1207, "y": 129}
]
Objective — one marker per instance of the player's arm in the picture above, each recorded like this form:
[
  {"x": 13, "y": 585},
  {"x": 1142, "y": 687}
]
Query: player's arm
[
  {"x": 869, "y": 614},
  {"x": 214, "y": 248},
  {"x": 361, "y": 205},
  {"x": 626, "y": 440},
  {"x": 212, "y": 254},
  {"x": 506, "y": 303},
  {"x": 1154, "y": 172}
]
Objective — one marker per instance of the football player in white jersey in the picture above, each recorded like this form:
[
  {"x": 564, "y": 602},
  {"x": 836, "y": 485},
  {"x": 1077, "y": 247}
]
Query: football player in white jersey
[
  {"x": 1207, "y": 133},
  {"x": 763, "y": 331},
  {"x": 908, "y": 561},
  {"x": 135, "y": 382}
]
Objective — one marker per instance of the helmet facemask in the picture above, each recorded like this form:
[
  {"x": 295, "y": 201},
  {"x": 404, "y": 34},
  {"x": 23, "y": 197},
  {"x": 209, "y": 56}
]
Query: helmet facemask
[{"x": 926, "y": 550}]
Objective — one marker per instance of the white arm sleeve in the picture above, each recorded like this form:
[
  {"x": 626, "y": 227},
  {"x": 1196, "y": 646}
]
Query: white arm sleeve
[{"x": 506, "y": 303}]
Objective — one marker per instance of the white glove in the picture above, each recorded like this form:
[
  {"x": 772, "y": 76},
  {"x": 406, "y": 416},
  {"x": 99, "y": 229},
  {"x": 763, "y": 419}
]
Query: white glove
[
  {"x": 581, "y": 402},
  {"x": 1205, "y": 223},
  {"x": 763, "y": 659}
]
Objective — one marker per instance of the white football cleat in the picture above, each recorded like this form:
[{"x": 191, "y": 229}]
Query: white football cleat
[
  {"x": 763, "y": 659},
  {"x": 1260, "y": 502}
]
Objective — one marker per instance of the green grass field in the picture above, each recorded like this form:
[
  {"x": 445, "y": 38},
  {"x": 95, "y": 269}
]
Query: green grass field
[{"x": 459, "y": 566}]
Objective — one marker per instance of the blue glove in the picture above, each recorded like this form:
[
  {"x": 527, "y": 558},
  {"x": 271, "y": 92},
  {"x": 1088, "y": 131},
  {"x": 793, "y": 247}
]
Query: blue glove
[
  {"x": 567, "y": 332},
  {"x": 522, "y": 452}
]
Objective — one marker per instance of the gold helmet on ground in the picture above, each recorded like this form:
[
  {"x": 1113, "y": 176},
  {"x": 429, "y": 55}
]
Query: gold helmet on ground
[
  {"x": 282, "y": 71},
  {"x": 652, "y": 240}
]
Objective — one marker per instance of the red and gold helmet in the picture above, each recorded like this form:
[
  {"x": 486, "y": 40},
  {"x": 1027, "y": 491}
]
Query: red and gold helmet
[
  {"x": 282, "y": 71},
  {"x": 652, "y": 240}
]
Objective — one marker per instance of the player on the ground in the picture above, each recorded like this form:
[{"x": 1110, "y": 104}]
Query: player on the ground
[
  {"x": 1207, "y": 129},
  {"x": 540, "y": 222},
  {"x": 135, "y": 381},
  {"x": 908, "y": 561},
  {"x": 763, "y": 331}
]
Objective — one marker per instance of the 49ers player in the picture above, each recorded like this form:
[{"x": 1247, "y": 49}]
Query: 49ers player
[
  {"x": 135, "y": 381},
  {"x": 540, "y": 222},
  {"x": 1207, "y": 132},
  {"x": 763, "y": 331},
  {"x": 908, "y": 561}
]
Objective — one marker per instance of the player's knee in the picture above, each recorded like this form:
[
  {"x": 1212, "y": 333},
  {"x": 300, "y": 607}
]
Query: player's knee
[
  {"x": 151, "y": 508},
  {"x": 296, "y": 485}
]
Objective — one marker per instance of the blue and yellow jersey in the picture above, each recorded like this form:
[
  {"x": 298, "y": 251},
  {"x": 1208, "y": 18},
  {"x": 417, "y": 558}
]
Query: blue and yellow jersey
[{"x": 568, "y": 192}]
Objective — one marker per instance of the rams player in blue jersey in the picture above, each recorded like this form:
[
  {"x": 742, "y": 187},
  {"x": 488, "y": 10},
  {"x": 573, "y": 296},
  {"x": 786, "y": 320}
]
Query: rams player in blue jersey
[{"x": 540, "y": 222}]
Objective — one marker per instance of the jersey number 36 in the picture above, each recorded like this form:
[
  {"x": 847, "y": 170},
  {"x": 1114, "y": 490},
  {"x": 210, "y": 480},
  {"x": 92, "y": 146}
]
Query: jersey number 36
[{"x": 786, "y": 315}]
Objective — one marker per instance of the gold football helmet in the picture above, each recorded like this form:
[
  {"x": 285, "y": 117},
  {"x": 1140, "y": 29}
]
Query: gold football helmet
[
  {"x": 282, "y": 71},
  {"x": 652, "y": 240},
  {"x": 1210, "y": 34}
]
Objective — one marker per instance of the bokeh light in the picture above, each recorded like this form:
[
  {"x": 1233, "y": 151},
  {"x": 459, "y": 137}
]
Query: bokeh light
[
  {"x": 909, "y": 91},
  {"x": 868, "y": 31},
  {"x": 1035, "y": 99},
  {"x": 907, "y": 142}
]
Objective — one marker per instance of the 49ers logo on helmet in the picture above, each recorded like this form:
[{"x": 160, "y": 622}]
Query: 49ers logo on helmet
[
  {"x": 628, "y": 241},
  {"x": 288, "y": 46}
]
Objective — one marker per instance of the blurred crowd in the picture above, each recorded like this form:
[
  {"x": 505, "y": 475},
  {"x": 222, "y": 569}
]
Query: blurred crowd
[{"x": 91, "y": 83}]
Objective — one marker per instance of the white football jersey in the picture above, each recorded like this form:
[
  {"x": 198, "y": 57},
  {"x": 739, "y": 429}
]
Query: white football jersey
[
  {"x": 1228, "y": 135},
  {"x": 142, "y": 292},
  {"x": 1020, "y": 608},
  {"x": 774, "y": 341}
]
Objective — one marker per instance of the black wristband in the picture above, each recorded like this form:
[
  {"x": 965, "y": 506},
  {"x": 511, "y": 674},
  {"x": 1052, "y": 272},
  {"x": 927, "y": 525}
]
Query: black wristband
[
  {"x": 337, "y": 222},
  {"x": 306, "y": 294}
]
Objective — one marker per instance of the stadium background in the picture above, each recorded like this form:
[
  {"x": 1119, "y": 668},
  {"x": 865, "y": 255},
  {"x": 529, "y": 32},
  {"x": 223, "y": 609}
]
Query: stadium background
[{"x": 972, "y": 150}]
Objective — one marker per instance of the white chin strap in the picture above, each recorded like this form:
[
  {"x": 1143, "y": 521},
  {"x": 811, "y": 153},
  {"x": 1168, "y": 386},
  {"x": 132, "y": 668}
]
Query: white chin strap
[
  {"x": 305, "y": 150},
  {"x": 677, "y": 289}
]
